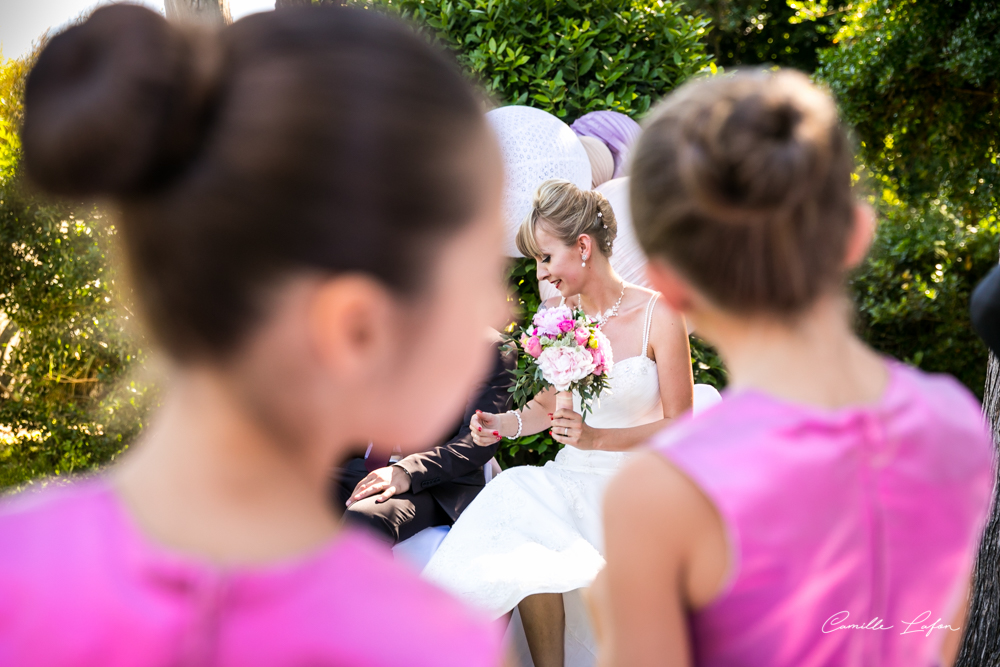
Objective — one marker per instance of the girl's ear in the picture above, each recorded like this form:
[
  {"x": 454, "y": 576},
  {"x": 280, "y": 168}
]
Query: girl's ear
[
  {"x": 349, "y": 320},
  {"x": 585, "y": 245},
  {"x": 861, "y": 236},
  {"x": 676, "y": 291}
]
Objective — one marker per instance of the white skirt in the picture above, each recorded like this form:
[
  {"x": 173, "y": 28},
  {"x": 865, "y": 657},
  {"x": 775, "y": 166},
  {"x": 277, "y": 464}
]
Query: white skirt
[{"x": 532, "y": 530}]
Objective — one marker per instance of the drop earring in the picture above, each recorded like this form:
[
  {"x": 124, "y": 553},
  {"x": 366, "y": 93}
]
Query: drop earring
[{"x": 584, "y": 263}]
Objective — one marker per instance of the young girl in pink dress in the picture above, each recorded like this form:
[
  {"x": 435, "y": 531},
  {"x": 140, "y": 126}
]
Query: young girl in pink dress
[
  {"x": 310, "y": 207},
  {"x": 828, "y": 511}
]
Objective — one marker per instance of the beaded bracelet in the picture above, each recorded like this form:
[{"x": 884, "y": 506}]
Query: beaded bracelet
[{"x": 520, "y": 424}]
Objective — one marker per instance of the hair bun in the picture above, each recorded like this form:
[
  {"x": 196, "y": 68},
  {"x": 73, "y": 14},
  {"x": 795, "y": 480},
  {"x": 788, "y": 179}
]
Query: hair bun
[
  {"x": 779, "y": 124},
  {"x": 112, "y": 103}
]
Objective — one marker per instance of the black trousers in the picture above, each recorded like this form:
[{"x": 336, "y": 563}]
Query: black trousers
[{"x": 401, "y": 517}]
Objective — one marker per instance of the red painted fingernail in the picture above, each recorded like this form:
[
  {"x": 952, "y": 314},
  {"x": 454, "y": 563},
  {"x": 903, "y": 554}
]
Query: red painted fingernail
[
  {"x": 480, "y": 428},
  {"x": 496, "y": 432}
]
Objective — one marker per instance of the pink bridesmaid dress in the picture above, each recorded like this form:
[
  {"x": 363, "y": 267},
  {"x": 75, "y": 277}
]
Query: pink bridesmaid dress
[
  {"x": 852, "y": 531},
  {"x": 80, "y": 586}
]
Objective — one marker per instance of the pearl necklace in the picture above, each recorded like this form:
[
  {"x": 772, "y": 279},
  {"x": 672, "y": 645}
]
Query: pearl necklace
[{"x": 611, "y": 312}]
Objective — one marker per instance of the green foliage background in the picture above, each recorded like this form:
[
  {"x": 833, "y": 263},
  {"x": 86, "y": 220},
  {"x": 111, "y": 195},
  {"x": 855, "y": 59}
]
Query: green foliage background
[
  {"x": 66, "y": 346},
  {"x": 567, "y": 57},
  {"x": 916, "y": 81},
  {"x": 920, "y": 84},
  {"x": 775, "y": 32}
]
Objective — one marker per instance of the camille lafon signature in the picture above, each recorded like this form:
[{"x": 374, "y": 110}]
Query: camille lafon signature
[{"x": 839, "y": 622}]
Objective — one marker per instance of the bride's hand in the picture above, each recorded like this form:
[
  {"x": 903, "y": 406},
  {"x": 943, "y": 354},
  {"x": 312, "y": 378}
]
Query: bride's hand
[
  {"x": 485, "y": 428},
  {"x": 568, "y": 428}
]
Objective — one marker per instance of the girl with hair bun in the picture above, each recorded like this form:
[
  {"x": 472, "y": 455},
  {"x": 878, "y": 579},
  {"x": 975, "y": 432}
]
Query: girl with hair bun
[
  {"x": 309, "y": 203},
  {"x": 532, "y": 538},
  {"x": 828, "y": 511}
]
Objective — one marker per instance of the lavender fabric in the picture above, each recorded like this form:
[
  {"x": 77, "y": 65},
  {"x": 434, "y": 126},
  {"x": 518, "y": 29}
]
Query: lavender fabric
[
  {"x": 852, "y": 531},
  {"x": 616, "y": 130}
]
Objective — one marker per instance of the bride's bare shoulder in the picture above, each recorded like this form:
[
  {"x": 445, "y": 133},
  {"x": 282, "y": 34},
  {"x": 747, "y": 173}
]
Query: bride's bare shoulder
[{"x": 638, "y": 296}]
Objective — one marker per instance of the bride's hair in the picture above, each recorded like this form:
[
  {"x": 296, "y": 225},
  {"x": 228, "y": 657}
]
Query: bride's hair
[
  {"x": 566, "y": 212},
  {"x": 743, "y": 183},
  {"x": 312, "y": 140}
]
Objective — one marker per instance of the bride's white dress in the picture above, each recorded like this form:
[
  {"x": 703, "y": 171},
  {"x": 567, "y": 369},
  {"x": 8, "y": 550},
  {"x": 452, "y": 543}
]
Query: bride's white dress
[{"x": 537, "y": 529}]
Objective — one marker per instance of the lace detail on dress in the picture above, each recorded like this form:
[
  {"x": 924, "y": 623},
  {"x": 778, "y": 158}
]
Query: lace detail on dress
[{"x": 632, "y": 398}]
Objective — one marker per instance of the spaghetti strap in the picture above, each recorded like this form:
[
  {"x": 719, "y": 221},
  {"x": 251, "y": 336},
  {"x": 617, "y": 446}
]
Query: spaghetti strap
[{"x": 647, "y": 324}]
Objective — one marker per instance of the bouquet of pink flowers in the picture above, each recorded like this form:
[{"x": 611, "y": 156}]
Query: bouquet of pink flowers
[{"x": 564, "y": 349}]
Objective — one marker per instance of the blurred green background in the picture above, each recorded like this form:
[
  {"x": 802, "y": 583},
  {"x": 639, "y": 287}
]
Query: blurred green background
[{"x": 916, "y": 82}]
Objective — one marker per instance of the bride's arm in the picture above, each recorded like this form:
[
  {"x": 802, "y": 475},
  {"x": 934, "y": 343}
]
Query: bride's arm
[
  {"x": 536, "y": 416},
  {"x": 669, "y": 342}
]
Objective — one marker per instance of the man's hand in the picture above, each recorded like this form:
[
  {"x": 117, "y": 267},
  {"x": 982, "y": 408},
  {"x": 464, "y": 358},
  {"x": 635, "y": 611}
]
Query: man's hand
[{"x": 387, "y": 481}]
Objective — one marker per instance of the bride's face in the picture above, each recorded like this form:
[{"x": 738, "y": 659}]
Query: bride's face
[{"x": 560, "y": 264}]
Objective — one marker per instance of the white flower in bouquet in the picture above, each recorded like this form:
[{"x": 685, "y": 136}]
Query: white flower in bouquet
[{"x": 562, "y": 366}]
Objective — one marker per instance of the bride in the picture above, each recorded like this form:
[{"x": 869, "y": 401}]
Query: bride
[{"x": 532, "y": 538}]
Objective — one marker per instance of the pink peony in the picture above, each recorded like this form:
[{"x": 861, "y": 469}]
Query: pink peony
[
  {"x": 566, "y": 326},
  {"x": 602, "y": 356},
  {"x": 582, "y": 336},
  {"x": 533, "y": 346},
  {"x": 561, "y": 366},
  {"x": 547, "y": 321},
  {"x": 598, "y": 358}
]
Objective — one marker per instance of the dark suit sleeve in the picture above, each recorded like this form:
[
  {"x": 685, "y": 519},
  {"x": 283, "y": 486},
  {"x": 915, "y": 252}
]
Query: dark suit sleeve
[
  {"x": 461, "y": 455},
  {"x": 985, "y": 307}
]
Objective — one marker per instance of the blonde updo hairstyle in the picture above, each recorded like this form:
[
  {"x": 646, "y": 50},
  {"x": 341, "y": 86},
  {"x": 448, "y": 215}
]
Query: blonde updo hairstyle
[
  {"x": 743, "y": 184},
  {"x": 567, "y": 212}
]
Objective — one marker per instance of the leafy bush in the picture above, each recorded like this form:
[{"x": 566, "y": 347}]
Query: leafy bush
[
  {"x": 913, "y": 291},
  {"x": 770, "y": 32},
  {"x": 64, "y": 346},
  {"x": 567, "y": 57},
  {"x": 920, "y": 84}
]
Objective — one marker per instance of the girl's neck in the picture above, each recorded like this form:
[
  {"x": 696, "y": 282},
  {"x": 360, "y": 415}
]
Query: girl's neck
[
  {"x": 815, "y": 359},
  {"x": 208, "y": 479},
  {"x": 601, "y": 290}
]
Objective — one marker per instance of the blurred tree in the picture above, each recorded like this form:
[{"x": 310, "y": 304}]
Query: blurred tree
[
  {"x": 920, "y": 84},
  {"x": 65, "y": 343},
  {"x": 564, "y": 56},
  {"x": 210, "y": 12},
  {"x": 777, "y": 32}
]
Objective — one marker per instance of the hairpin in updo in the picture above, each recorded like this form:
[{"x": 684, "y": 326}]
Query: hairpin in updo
[{"x": 600, "y": 215}]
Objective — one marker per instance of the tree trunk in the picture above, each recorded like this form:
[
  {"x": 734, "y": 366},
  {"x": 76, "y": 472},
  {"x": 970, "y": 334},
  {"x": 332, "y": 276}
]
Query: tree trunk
[
  {"x": 981, "y": 642},
  {"x": 206, "y": 12}
]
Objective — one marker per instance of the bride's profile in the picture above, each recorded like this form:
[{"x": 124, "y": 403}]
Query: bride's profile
[{"x": 532, "y": 539}]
